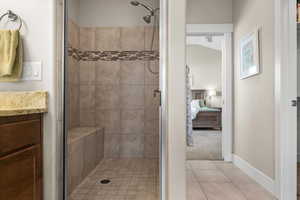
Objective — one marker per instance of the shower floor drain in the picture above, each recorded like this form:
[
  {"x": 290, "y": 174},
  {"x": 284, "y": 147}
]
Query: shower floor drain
[{"x": 104, "y": 181}]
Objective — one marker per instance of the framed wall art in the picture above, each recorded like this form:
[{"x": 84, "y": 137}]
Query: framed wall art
[{"x": 249, "y": 55}]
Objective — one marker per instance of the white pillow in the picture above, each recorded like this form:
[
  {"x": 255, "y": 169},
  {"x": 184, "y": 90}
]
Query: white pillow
[
  {"x": 195, "y": 108},
  {"x": 195, "y": 104}
]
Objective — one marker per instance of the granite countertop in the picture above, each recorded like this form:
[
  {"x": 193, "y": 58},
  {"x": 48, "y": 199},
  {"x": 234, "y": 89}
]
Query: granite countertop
[{"x": 23, "y": 103}]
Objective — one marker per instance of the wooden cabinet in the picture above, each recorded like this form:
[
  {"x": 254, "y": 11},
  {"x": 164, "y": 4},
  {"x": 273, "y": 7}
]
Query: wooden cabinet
[
  {"x": 21, "y": 157},
  {"x": 208, "y": 120}
]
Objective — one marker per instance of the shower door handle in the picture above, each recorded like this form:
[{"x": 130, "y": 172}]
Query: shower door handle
[{"x": 156, "y": 93}]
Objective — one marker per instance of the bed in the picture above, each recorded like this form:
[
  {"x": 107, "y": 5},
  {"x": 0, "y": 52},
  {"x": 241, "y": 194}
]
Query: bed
[{"x": 204, "y": 117}]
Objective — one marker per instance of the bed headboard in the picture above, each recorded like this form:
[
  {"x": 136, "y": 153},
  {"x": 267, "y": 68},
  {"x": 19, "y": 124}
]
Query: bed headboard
[{"x": 199, "y": 94}]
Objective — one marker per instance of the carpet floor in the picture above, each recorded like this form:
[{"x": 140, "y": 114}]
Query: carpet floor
[{"x": 207, "y": 146}]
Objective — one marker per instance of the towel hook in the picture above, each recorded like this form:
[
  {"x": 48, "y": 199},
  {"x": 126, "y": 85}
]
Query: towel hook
[{"x": 12, "y": 18}]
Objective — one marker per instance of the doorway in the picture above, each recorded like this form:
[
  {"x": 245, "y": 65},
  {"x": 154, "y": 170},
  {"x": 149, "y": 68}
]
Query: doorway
[
  {"x": 204, "y": 69},
  {"x": 209, "y": 75}
]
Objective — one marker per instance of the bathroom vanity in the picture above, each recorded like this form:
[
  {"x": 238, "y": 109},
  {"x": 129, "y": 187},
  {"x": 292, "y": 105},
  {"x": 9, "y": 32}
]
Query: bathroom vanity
[{"x": 21, "y": 159}]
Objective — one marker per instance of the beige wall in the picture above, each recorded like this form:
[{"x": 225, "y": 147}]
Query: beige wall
[
  {"x": 112, "y": 13},
  {"x": 206, "y": 67},
  {"x": 254, "y": 97},
  {"x": 38, "y": 35},
  {"x": 209, "y": 11}
]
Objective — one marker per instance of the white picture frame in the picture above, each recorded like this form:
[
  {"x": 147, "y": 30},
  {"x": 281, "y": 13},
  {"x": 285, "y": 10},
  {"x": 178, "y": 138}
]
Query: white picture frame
[{"x": 249, "y": 55}]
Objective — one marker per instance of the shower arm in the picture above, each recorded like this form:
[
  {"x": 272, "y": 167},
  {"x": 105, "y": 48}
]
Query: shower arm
[
  {"x": 155, "y": 10},
  {"x": 148, "y": 8}
]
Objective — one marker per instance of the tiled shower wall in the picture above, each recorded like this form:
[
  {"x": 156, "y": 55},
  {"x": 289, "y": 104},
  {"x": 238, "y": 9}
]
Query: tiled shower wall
[
  {"x": 118, "y": 95},
  {"x": 73, "y": 77}
]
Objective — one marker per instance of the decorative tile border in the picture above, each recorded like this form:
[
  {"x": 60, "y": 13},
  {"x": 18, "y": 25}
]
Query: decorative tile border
[
  {"x": 73, "y": 52},
  {"x": 113, "y": 55}
]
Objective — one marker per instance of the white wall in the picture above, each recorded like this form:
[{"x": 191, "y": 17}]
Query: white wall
[
  {"x": 205, "y": 64},
  {"x": 254, "y": 134},
  {"x": 206, "y": 69},
  {"x": 215, "y": 44},
  {"x": 112, "y": 13},
  {"x": 209, "y": 11},
  {"x": 39, "y": 39},
  {"x": 176, "y": 100}
]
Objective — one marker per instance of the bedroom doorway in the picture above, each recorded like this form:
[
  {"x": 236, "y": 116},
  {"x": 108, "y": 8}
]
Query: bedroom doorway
[
  {"x": 209, "y": 87},
  {"x": 204, "y": 69},
  {"x": 209, "y": 92}
]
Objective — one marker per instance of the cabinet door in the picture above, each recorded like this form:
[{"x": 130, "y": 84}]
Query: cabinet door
[{"x": 21, "y": 175}]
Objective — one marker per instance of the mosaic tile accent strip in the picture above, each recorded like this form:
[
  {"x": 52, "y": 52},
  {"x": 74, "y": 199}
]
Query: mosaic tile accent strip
[
  {"x": 113, "y": 55},
  {"x": 74, "y": 53}
]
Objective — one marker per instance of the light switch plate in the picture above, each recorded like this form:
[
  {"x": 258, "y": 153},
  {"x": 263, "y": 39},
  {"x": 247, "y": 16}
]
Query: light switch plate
[{"x": 32, "y": 71}]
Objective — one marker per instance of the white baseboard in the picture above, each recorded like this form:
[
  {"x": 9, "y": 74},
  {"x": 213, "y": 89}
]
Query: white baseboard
[
  {"x": 228, "y": 158},
  {"x": 261, "y": 178}
]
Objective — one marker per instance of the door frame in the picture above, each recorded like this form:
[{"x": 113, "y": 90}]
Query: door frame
[
  {"x": 169, "y": 189},
  {"x": 285, "y": 91},
  {"x": 173, "y": 66},
  {"x": 227, "y": 79},
  {"x": 163, "y": 112}
]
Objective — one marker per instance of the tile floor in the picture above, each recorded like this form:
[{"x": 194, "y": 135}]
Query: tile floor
[
  {"x": 138, "y": 179},
  {"x": 207, "y": 145},
  {"x": 131, "y": 179},
  {"x": 219, "y": 180}
]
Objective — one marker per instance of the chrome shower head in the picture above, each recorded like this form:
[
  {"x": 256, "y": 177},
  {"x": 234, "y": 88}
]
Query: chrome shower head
[
  {"x": 147, "y": 19},
  {"x": 152, "y": 11},
  {"x": 135, "y": 3}
]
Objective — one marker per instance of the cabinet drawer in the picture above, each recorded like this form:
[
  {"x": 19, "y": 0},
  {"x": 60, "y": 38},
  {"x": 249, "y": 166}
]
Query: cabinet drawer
[
  {"x": 21, "y": 175},
  {"x": 17, "y": 135}
]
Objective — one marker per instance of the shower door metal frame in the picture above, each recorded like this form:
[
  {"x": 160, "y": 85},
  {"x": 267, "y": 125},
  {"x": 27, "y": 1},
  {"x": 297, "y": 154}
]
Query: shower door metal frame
[
  {"x": 65, "y": 108},
  {"x": 163, "y": 111},
  {"x": 163, "y": 52}
]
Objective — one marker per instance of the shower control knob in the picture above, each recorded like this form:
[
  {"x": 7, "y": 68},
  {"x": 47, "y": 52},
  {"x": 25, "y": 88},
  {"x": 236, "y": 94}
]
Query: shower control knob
[{"x": 155, "y": 92}]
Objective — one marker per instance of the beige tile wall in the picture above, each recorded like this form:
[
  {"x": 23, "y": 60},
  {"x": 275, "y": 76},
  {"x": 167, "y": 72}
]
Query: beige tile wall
[
  {"x": 85, "y": 152},
  {"x": 73, "y": 77},
  {"x": 86, "y": 145},
  {"x": 118, "y": 95}
]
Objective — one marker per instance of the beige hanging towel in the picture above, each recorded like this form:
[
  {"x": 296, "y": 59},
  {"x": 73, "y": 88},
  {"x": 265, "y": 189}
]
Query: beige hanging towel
[{"x": 11, "y": 56}]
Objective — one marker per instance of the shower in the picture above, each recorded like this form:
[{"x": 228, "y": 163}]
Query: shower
[
  {"x": 148, "y": 20},
  {"x": 112, "y": 116}
]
